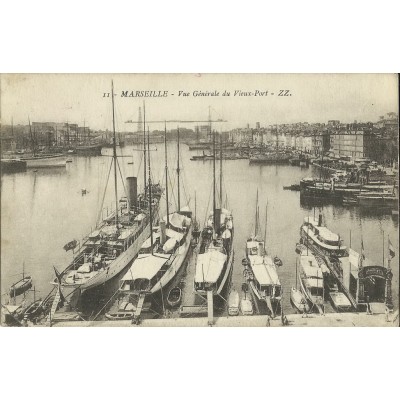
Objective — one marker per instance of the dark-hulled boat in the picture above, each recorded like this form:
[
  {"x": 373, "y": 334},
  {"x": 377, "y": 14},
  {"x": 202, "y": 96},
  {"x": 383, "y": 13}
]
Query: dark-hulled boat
[{"x": 21, "y": 286}]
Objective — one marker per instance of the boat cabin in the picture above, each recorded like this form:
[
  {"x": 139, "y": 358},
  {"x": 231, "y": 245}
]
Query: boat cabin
[{"x": 326, "y": 241}]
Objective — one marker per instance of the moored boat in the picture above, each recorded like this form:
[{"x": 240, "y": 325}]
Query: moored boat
[
  {"x": 163, "y": 255},
  {"x": 339, "y": 301},
  {"x": 298, "y": 300},
  {"x": 246, "y": 306},
  {"x": 21, "y": 286},
  {"x": 116, "y": 241},
  {"x": 215, "y": 255},
  {"x": 311, "y": 280},
  {"x": 174, "y": 297},
  {"x": 233, "y": 303}
]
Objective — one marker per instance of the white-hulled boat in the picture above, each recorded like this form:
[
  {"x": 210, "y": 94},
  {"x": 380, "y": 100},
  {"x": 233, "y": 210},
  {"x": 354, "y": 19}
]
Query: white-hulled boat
[
  {"x": 116, "y": 241},
  {"x": 46, "y": 161},
  {"x": 215, "y": 255},
  {"x": 264, "y": 280},
  {"x": 311, "y": 280},
  {"x": 233, "y": 303},
  {"x": 324, "y": 241},
  {"x": 162, "y": 256},
  {"x": 297, "y": 298},
  {"x": 246, "y": 306}
]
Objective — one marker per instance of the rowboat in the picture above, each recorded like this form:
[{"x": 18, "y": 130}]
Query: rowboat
[
  {"x": 174, "y": 296},
  {"x": 246, "y": 306},
  {"x": 21, "y": 286},
  {"x": 298, "y": 300},
  {"x": 233, "y": 303},
  {"x": 339, "y": 301}
]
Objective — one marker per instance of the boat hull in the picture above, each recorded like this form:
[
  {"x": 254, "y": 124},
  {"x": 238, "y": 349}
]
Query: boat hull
[
  {"x": 176, "y": 265},
  {"x": 58, "y": 161},
  {"x": 94, "y": 150}
]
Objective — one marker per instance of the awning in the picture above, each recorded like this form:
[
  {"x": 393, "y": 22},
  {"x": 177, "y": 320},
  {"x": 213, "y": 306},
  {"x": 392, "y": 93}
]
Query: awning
[
  {"x": 209, "y": 266},
  {"x": 145, "y": 266}
]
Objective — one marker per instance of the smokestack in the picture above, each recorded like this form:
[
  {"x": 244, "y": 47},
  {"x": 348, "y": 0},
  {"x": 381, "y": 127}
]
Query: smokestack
[
  {"x": 320, "y": 220},
  {"x": 217, "y": 220},
  {"x": 163, "y": 232},
  {"x": 131, "y": 182}
]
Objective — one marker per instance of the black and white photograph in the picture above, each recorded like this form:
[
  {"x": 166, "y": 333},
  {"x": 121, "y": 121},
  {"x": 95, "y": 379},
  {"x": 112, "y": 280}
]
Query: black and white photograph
[{"x": 199, "y": 200}]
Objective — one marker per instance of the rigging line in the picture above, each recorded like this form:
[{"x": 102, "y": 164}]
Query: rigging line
[
  {"x": 123, "y": 183},
  {"x": 172, "y": 187},
  {"x": 208, "y": 204},
  {"x": 105, "y": 305},
  {"x": 104, "y": 195}
]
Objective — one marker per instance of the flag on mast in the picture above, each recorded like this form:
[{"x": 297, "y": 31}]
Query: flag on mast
[{"x": 391, "y": 250}]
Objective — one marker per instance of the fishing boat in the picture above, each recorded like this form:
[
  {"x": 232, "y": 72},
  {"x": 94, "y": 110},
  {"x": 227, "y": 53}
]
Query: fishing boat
[
  {"x": 21, "y": 286},
  {"x": 163, "y": 254},
  {"x": 233, "y": 303},
  {"x": 174, "y": 297},
  {"x": 117, "y": 239},
  {"x": 311, "y": 280},
  {"x": 215, "y": 255}
]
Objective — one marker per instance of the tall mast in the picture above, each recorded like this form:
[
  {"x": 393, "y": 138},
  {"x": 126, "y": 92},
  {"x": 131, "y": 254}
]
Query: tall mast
[
  {"x": 144, "y": 148},
  {"x": 178, "y": 173},
  {"x": 31, "y": 137},
  {"x": 256, "y": 223},
  {"x": 220, "y": 170},
  {"x": 214, "y": 199},
  {"x": 266, "y": 221},
  {"x": 114, "y": 157},
  {"x": 150, "y": 208},
  {"x": 166, "y": 170}
]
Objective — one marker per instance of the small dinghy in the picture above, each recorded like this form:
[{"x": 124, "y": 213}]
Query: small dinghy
[
  {"x": 278, "y": 261},
  {"x": 174, "y": 296},
  {"x": 233, "y": 303},
  {"x": 299, "y": 301},
  {"x": 246, "y": 307},
  {"x": 21, "y": 286}
]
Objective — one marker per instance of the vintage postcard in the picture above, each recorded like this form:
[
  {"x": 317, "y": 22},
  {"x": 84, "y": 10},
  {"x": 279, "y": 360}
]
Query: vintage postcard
[{"x": 195, "y": 200}]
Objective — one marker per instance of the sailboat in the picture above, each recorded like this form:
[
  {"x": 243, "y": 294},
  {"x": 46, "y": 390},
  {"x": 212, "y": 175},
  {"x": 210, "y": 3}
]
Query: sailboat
[
  {"x": 297, "y": 298},
  {"x": 116, "y": 241},
  {"x": 215, "y": 255},
  {"x": 42, "y": 160},
  {"x": 261, "y": 270},
  {"x": 162, "y": 255}
]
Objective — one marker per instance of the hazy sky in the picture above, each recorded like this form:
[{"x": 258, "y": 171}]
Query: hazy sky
[{"x": 314, "y": 98}]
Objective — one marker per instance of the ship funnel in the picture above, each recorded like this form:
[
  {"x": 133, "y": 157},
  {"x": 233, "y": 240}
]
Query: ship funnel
[
  {"x": 320, "y": 220},
  {"x": 217, "y": 220},
  {"x": 163, "y": 232},
  {"x": 131, "y": 182}
]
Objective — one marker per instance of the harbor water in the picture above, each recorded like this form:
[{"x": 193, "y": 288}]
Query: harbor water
[{"x": 43, "y": 210}]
